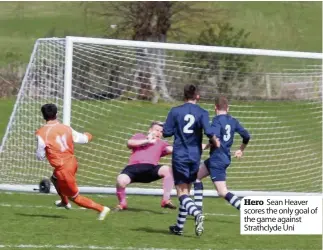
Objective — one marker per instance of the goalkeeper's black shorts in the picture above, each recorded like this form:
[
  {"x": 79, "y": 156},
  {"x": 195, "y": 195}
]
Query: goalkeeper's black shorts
[{"x": 143, "y": 173}]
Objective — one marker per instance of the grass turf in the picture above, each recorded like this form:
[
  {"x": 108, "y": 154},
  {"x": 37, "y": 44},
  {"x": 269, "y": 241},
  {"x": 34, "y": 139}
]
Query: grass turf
[{"x": 33, "y": 220}]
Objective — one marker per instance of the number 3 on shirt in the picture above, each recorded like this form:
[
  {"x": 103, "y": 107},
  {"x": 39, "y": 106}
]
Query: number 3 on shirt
[
  {"x": 190, "y": 119},
  {"x": 227, "y": 136},
  {"x": 61, "y": 140}
]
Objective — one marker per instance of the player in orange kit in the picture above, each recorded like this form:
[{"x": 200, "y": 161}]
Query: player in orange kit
[{"x": 55, "y": 141}]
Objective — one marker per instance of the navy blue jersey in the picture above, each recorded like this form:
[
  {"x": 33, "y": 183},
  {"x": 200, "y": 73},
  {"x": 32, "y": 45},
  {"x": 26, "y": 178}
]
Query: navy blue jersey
[
  {"x": 187, "y": 123},
  {"x": 224, "y": 127}
]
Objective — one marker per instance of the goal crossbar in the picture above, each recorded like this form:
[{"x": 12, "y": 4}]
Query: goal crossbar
[{"x": 196, "y": 48}]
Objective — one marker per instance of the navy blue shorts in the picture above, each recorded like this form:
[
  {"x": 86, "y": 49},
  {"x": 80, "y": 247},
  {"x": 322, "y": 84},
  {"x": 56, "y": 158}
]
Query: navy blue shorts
[
  {"x": 143, "y": 173},
  {"x": 185, "y": 172},
  {"x": 217, "y": 169}
]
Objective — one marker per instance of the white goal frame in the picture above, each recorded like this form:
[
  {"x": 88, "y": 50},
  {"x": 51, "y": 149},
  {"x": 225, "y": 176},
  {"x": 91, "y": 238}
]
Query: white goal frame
[
  {"x": 69, "y": 42},
  {"x": 155, "y": 45}
]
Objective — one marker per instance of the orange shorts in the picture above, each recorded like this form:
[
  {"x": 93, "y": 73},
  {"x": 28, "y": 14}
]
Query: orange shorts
[{"x": 65, "y": 179}]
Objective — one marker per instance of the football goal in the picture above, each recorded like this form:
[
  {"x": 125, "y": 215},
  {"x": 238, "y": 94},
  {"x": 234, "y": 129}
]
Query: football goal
[{"x": 115, "y": 88}]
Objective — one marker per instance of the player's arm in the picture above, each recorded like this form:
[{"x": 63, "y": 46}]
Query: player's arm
[
  {"x": 209, "y": 131},
  {"x": 169, "y": 125},
  {"x": 134, "y": 143},
  {"x": 245, "y": 139},
  {"x": 239, "y": 152},
  {"x": 140, "y": 140},
  {"x": 81, "y": 138},
  {"x": 206, "y": 146},
  {"x": 168, "y": 150},
  {"x": 40, "y": 151}
]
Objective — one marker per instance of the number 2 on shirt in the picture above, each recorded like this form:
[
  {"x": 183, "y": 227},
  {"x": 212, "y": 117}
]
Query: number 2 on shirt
[{"x": 190, "y": 119}]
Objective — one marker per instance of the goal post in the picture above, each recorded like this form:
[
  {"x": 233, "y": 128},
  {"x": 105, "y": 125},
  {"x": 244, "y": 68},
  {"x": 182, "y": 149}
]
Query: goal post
[
  {"x": 115, "y": 88},
  {"x": 68, "y": 81}
]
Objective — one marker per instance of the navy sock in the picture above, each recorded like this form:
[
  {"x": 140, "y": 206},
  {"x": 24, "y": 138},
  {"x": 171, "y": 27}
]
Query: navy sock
[
  {"x": 189, "y": 205},
  {"x": 198, "y": 195},
  {"x": 233, "y": 200},
  {"x": 181, "y": 218}
]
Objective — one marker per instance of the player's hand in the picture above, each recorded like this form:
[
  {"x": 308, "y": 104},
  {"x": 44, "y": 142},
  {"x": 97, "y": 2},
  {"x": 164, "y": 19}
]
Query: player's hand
[
  {"x": 238, "y": 154},
  {"x": 151, "y": 138},
  {"x": 89, "y": 136},
  {"x": 152, "y": 141}
]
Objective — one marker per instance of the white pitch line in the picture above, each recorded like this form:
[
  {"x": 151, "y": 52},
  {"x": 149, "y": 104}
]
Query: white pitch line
[
  {"x": 107, "y": 247},
  {"x": 81, "y": 208},
  {"x": 24, "y": 193},
  {"x": 36, "y": 206},
  {"x": 213, "y": 214},
  {"x": 86, "y": 247}
]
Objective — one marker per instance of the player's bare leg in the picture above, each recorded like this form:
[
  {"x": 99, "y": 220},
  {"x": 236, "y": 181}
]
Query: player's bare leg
[
  {"x": 198, "y": 186},
  {"x": 222, "y": 190},
  {"x": 63, "y": 202},
  {"x": 122, "y": 181},
  {"x": 85, "y": 202},
  {"x": 168, "y": 184}
]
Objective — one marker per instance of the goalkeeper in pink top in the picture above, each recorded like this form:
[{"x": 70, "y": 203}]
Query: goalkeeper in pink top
[{"x": 143, "y": 165}]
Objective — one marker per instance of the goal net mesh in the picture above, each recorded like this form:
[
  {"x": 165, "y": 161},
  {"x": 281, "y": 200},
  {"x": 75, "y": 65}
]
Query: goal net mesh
[{"x": 118, "y": 91}]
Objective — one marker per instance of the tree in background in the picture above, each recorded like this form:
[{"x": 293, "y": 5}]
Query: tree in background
[
  {"x": 221, "y": 70},
  {"x": 151, "y": 21}
]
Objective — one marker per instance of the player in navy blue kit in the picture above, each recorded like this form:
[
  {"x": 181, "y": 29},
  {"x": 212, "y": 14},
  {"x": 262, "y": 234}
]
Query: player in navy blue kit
[
  {"x": 224, "y": 127},
  {"x": 187, "y": 123}
]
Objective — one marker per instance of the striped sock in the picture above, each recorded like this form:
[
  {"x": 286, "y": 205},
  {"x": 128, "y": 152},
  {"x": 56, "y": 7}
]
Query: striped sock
[
  {"x": 198, "y": 195},
  {"x": 181, "y": 218},
  {"x": 189, "y": 205},
  {"x": 233, "y": 200}
]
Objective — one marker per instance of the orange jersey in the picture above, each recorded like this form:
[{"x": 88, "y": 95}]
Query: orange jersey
[{"x": 57, "y": 140}]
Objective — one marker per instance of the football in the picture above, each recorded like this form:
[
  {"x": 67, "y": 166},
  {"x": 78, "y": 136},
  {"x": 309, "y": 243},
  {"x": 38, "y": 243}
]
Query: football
[{"x": 44, "y": 186}]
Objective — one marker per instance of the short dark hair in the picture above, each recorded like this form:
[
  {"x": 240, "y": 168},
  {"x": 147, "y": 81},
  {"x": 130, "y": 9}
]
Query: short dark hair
[
  {"x": 190, "y": 92},
  {"x": 157, "y": 123},
  {"x": 221, "y": 103},
  {"x": 49, "y": 111}
]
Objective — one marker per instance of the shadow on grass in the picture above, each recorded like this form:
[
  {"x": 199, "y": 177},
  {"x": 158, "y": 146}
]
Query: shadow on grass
[
  {"x": 43, "y": 216},
  {"x": 159, "y": 231},
  {"x": 142, "y": 210}
]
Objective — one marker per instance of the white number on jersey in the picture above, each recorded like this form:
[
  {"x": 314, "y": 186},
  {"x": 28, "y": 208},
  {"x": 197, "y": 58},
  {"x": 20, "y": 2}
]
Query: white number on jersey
[
  {"x": 190, "y": 119},
  {"x": 61, "y": 140},
  {"x": 227, "y": 136}
]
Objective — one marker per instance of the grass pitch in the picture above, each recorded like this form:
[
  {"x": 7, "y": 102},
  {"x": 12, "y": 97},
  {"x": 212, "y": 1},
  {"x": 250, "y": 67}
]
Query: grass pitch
[{"x": 31, "y": 221}]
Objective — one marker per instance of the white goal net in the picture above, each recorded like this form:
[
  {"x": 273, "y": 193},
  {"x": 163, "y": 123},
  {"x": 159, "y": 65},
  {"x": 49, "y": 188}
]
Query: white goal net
[{"x": 114, "y": 89}]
